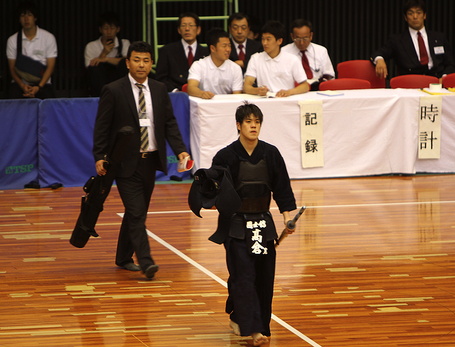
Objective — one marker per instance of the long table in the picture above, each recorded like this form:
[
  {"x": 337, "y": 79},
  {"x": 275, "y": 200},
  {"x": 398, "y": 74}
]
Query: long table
[{"x": 365, "y": 132}]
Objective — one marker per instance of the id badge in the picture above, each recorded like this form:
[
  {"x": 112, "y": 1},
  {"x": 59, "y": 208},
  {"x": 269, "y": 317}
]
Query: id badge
[
  {"x": 439, "y": 50},
  {"x": 144, "y": 122}
]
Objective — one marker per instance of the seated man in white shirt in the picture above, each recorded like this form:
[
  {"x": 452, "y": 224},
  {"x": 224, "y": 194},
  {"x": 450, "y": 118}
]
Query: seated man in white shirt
[
  {"x": 275, "y": 71},
  {"x": 315, "y": 58},
  {"x": 215, "y": 74},
  {"x": 32, "y": 54}
]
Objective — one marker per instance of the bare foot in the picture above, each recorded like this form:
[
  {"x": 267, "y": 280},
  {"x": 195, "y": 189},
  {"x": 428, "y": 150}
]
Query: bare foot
[
  {"x": 259, "y": 339},
  {"x": 234, "y": 326}
]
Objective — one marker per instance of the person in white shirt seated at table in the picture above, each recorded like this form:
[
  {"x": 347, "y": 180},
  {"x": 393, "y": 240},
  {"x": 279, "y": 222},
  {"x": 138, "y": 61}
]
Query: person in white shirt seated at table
[
  {"x": 215, "y": 74},
  {"x": 315, "y": 58},
  {"x": 275, "y": 71}
]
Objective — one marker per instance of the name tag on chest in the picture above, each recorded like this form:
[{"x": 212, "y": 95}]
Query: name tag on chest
[
  {"x": 144, "y": 122},
  {"x": 439, "y": 50}
]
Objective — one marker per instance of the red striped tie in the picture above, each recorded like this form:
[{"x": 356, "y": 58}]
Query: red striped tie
[
  {"x": 306, "y": 66},
  {"x": 422, "y": 49},
  {"x": 190, "y": 56},
  {"x": 241, "y": 53}
]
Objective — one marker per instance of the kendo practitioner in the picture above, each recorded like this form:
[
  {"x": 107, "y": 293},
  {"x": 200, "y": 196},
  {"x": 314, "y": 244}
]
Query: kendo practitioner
[{"x": 257, "y": 169}]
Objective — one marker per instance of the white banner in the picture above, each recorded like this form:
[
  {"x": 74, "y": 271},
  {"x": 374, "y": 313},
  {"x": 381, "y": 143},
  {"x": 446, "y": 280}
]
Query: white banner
[
  {"x": 430, "y": 127},
  {"x": 311, "y": 133}
]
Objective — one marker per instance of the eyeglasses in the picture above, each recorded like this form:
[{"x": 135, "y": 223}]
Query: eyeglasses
[
  {"x": 301, "y": 39},
  {"x": 191, "y": 26}
]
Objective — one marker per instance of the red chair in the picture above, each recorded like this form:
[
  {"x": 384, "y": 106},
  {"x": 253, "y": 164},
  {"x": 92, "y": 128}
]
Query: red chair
[
  {"x": 412, "y": 81},
  {"x": 344, "y": 84},
  {"x": 448, "y": 81},
  {"x": 362, "y": 69},
  {"x": 185, "y": 88}
]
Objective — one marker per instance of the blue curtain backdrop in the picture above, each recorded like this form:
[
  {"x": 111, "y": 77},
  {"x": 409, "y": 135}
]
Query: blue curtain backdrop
[
  {"x": 18, "y": 143},
  {"x": 51, "y": 141}
]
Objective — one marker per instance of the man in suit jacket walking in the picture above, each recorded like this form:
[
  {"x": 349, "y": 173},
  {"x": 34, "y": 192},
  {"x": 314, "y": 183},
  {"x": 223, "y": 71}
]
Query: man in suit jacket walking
[
  {"x": 242, "y": 47},
  {"x": 176, "y": 58},
  {"x": 416, "y": 50},
  {"x": 144, "y": 104}
]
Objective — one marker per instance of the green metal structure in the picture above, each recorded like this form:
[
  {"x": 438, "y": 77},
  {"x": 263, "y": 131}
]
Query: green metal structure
[{"x": 150, "y": 18}]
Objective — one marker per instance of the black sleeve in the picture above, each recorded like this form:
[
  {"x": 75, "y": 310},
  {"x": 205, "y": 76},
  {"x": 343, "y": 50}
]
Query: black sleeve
[
  {"x": 281, "y": 184},
  {"x": 449, "y": 63},
  {"x": 162, "y": 70},
  {"x": 388, "y": 50},
  {"x": 103, "y": 123}
]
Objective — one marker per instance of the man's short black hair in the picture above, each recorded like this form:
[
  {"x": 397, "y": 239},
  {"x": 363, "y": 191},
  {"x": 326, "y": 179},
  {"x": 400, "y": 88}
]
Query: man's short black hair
[
  {"x": 245, "y": 110},
  {"x": 414, "y": 3},
  {"x": 110, "y": 18},
  {"x": 298, "y": 23},
  {"x": 238, "y": 16},
  {"x": 27, "y": 6},
  {"x": 214, "y": 35},
  {"x": 140, "y": 46},
  {"x": 189, "y": 14},
  {"x": 275, "y": 28}
]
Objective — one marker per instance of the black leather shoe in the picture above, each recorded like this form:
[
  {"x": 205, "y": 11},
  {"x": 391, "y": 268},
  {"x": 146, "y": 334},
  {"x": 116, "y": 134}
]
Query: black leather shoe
[
  {"x": 132, "y": 267},
  {"x": 150, "y": 272}
]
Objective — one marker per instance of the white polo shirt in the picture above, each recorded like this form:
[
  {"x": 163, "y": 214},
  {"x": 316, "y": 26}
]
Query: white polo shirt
[
  {"x": 318, "y": 59},
  {"x": 279, "y": 73},
  {"x": 94, "y": 49},
  {"x": 41, "y": 47},
  {"x": 225, "y": 79}
]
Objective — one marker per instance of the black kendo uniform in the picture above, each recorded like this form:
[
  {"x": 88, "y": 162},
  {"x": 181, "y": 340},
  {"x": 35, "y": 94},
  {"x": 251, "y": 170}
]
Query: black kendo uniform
[{"x": 249, "y": 234}]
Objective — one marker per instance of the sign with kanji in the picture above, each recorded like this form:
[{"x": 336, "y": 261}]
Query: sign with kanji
[
  {"x": 430, "y": 113},
  {"x": 311, "y": 133}
]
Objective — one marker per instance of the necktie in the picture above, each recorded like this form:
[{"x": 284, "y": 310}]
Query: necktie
[
  {"x": 422, "y": 49},
  {"x": 306, "y": 66},
  {"x": 241, "y": 53},
  {"x": 190, "y": 56},
  {"x": 142, "y": 115}
]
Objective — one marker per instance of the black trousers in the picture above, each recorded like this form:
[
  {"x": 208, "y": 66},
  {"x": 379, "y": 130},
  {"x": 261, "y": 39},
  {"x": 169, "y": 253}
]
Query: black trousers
[
  {"x": 136, "y": 192},
  {"x": 250, "y": 286}
]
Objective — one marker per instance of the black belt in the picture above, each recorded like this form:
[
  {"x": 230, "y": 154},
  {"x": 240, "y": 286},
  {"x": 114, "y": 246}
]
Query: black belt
[{"x": 145, "y": 155}]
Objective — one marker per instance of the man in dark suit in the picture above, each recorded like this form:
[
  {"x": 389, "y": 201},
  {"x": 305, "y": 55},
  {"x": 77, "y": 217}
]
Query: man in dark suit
[
  {"x": 144, "y": 104},
  {"x": 175, "y": 59},
  {"x": 242, "y": 47},
  {"x": 416, "y": 50}
]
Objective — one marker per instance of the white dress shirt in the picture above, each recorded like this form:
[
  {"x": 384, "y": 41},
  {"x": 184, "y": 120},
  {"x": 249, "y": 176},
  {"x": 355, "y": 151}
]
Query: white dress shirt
[
  {"x": 318, "y": 59},
  {"x": 415, "y": 41},
  {"x": 153, "y": 146}
]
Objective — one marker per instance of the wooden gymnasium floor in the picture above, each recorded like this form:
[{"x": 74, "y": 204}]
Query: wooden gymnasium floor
[{"x": 372, "y": 264}]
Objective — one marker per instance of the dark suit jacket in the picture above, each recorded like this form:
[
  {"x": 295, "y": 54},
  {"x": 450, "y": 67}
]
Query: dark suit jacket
[
  {"x": 172, "y": 67},
  {"x": 401, "y": 49},
  {"x": 252, "y": 47},
  {"x": 117, "y": 108}
]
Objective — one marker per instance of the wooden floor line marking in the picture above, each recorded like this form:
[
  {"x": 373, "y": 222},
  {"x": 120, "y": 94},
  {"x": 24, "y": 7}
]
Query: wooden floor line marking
[
  {"x": 327, "y": 206},
  {"x": 224, "y": 284}
]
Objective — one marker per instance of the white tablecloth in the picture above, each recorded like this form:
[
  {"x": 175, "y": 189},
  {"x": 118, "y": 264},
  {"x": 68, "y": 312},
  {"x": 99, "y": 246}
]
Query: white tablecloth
[{"x": 366, "y": 132}]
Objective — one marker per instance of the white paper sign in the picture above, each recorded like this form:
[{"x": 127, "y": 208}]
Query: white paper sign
[
  {"x": 430, "y": 113},
  {"x": 311, "y": 133}
]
